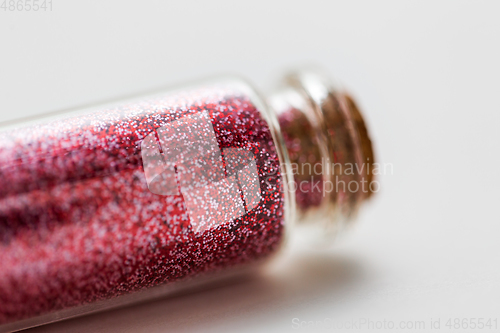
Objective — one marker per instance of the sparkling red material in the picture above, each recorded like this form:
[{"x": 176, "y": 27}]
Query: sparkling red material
[
  {"x": 303, "y": 150},
  {"x": 78, "y": 223}
]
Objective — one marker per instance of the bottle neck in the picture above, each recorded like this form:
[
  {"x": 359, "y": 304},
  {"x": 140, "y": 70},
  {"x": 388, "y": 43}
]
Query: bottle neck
[{"x": 330, "y": 155}]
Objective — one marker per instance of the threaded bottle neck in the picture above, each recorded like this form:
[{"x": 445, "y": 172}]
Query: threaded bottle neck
[{"x": 330, "y": 152}]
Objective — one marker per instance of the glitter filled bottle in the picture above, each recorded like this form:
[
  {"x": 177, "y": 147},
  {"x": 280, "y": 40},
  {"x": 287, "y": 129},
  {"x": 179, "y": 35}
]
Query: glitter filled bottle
[{"x": 126, "y": 201}]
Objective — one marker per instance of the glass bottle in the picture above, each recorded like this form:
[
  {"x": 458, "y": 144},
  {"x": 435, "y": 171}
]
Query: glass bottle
[{"x": 123, "y": 202}]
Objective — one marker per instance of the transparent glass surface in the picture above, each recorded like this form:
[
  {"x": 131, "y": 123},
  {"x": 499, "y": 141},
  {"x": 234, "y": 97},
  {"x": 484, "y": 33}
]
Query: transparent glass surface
[{"x": 114, "y": 201}]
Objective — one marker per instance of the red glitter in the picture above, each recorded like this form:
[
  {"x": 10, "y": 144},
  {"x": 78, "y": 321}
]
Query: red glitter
[{"x": 78, "y": 222}]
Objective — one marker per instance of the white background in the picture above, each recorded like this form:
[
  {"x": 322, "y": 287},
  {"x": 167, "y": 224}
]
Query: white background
[{"x": 427, "y": 76}]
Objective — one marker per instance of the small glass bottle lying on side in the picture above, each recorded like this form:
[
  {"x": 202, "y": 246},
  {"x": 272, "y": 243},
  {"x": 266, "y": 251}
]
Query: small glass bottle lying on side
[{"x": 127, "y": 201}]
